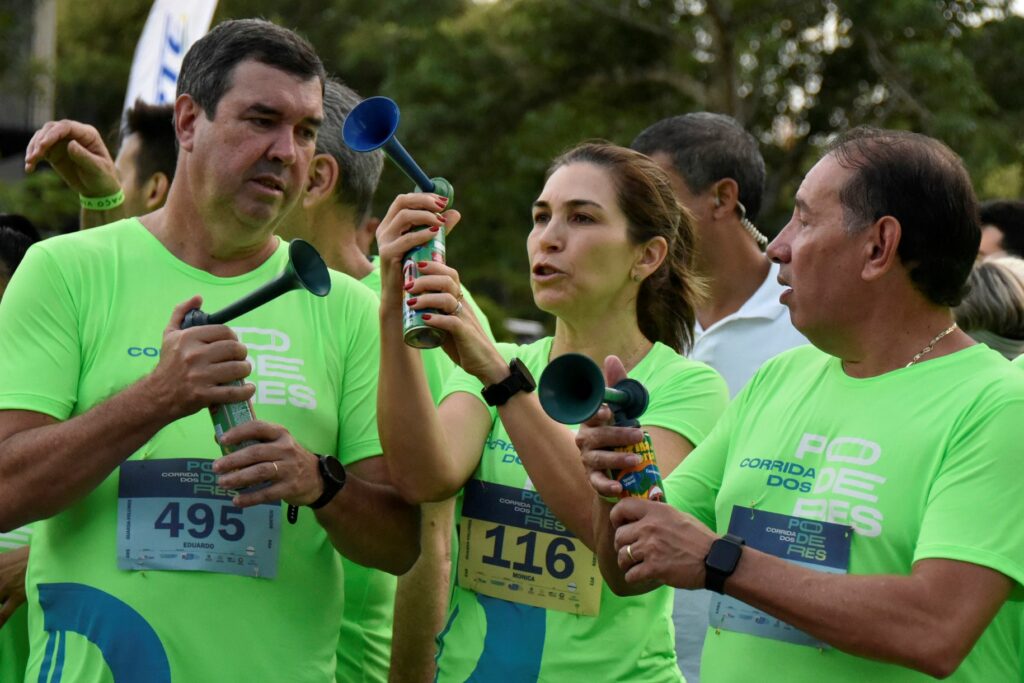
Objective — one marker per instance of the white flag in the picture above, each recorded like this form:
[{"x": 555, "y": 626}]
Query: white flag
[{"x": 172, "y": 27}]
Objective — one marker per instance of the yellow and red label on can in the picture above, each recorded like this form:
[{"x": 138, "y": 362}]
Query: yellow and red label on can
[{"x": 643, "y": 480}]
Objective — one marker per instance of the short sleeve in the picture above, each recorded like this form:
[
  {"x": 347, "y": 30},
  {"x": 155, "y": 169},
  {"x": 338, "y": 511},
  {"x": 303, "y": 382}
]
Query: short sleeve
[
  {"x": 693, "y": 485},
  {"x": 690, "y": 402},
  {"x": 357, "y": 409},
  {"x": 976, "y": 502},
  {"x": 40, "y": 345},
  {"x": 461, "y": 381}
]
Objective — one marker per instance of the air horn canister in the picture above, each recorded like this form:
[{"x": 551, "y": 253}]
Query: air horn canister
[
  {"x": 371, "y": 125},
  {"x": 305, "y": 270},
  {"x": 571, "y": 391}
]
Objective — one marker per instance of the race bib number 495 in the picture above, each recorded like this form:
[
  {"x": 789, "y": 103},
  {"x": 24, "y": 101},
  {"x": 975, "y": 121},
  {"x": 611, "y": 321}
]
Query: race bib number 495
[
  {"x": 512, "y": 547},
  {"x": 171, "y": 515}
]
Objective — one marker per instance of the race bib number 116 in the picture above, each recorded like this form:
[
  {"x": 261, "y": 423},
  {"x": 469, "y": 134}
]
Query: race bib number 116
[{"x": 512, "y": 547}]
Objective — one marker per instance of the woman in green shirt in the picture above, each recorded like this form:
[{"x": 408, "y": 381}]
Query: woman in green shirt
[{"x": 610, "y": 255}]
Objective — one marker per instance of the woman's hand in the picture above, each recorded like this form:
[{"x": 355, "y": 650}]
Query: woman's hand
[
  {"x": 466, "y": 343},
  {"x": 396, "y": 236}
]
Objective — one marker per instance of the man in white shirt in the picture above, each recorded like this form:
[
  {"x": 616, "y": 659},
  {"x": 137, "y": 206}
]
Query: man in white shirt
[{"x": 718, "y": 173}]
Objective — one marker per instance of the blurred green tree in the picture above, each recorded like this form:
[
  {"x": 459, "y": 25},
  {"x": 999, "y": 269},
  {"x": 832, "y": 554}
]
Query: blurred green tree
[{"x": 490, "y": 92}]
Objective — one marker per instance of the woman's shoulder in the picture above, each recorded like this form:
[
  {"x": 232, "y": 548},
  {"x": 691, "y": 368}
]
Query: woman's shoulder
[
  {"x": 667, "y": 374},
  {"x": 664, "y": 362}
]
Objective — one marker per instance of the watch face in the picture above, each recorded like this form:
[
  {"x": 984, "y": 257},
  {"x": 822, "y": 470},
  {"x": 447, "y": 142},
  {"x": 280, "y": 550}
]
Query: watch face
[
  {"x": 723, "y": 556},
  {"x": 518, "y": 366},
  {"x": 333, "y": 468}
]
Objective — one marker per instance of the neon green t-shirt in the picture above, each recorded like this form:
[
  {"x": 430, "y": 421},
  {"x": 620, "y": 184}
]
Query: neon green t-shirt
[
  {"x": 631, "y": 639},
  {"x": 83, "y": 319},
  {"x": 14, "y": 634},
  {"x": 1019, "y": 361},
  {"x": 923, "y": 462},
  {"x": 364, "y": 647}
]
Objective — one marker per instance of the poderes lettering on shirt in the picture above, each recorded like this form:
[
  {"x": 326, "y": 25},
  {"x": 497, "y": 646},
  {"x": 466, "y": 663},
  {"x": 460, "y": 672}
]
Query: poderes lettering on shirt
[
  {"x": 279, "y": 378},
  {"x": 836, "y": 474}
]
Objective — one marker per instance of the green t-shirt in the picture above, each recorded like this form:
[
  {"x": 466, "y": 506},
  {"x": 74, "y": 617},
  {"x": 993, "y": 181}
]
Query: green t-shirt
[
  {"x": 923, "y": 462},
  {"x": 631, "y": 639},
  {"x": 82, "y": 320},
  {"x": 14, "y": 634},
  {"x": 1019, "y": 361},
  {"x": 364, "y": 647}
]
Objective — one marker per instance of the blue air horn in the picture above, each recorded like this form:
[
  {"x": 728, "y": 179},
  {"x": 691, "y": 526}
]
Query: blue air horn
[{"x": 371, "y": 125}]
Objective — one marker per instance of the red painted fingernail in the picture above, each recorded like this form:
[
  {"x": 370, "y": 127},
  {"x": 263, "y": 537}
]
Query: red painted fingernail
[
  {"x": 442, "y": 200},
  {"x": 421, "y": 264},
  {"x": 408, "y": 285},
  {"x": 411, "y": 301},
  {"x": 426, "y": 316},
  {"x": 435, "y": 228}
]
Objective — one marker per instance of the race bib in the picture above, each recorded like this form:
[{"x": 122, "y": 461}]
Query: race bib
[
  {"x": 512, "y": 547},
  {"x": 171, "y": 515},
  {"x": 823, "y": 546}
]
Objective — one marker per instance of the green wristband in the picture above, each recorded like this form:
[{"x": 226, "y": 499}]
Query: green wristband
[{"x": 102, "y": 203}]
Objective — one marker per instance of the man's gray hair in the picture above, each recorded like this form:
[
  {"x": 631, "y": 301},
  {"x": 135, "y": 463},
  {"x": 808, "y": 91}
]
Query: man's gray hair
[{"x": 360, "y": 171}]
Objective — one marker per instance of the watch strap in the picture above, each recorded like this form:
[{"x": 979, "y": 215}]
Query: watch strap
[
  {"x": 715, "y": 575},
  {"x": 332, "y": 484},
  {"x": 519, "y": 379}
]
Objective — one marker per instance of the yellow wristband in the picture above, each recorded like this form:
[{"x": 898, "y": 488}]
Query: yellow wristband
[{"x": 102, "y": 203}]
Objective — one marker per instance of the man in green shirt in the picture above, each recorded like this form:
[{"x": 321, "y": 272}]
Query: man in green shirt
[
  {"x": 858, "y": 506},
  {"x": 389, "y": 626},
  {"x": 155, "y": 560}
]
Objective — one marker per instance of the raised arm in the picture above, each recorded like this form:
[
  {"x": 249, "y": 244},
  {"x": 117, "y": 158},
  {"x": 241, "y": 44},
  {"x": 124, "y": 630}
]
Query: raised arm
[
  {"x": 78, "y": 155},
  {"x": 425, "y": 463}
]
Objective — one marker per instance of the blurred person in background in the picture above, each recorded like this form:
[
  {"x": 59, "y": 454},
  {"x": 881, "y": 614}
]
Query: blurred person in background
[
  {"x": 993, "y": 310},
  {"x": 133, "y": 184},
  {"x": 1002, "y": 228},
  {"x": 388, "y": 623}
]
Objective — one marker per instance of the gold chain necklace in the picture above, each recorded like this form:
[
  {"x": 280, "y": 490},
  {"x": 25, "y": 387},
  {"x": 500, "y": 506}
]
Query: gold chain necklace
[{"x": 931, "y": 345}]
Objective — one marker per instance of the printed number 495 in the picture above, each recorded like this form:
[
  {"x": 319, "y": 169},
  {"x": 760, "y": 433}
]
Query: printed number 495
[{"x": 201, "y": 521}]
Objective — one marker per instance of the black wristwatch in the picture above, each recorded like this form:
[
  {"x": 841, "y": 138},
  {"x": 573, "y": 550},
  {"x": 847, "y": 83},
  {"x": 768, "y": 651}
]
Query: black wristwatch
[
  {"x": 721, "y": 561},
  {"x": 332, "y": 472},
  {"x": 520, "y": 379}
]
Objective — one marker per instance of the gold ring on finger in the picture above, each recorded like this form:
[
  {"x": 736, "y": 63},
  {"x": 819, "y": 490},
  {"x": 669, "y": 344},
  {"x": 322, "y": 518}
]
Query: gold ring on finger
[{"x": 629, "y": 553}]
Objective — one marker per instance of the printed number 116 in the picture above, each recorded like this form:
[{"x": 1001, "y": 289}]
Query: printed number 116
[{"x": 557, "y": 559}]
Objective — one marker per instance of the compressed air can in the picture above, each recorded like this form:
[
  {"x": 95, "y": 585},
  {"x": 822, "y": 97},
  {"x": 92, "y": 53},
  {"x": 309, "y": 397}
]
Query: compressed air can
[
  {"x": 228, "y": 415},
  {"x": 643, "y": 480},
  {"x": 416, "y": 332}
]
